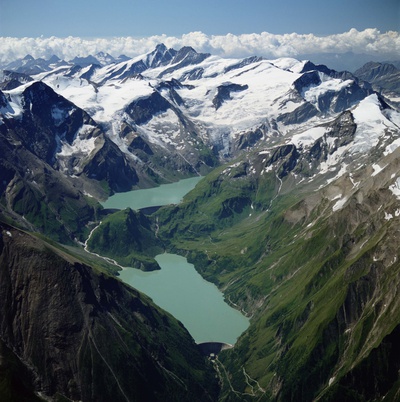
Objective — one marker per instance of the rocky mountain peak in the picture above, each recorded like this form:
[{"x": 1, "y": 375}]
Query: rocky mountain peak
[
  {"x": 372, "y": 70},
  {"x": 85, "y": 61},
  {"x": 54, "y": 59},
  {"x": 310, "y": 66},
  {"x": 38, "y": 96},
  {"x": 185, "y": 56},
  {"x": 184, "y": 52},
  {"x": 160, "y": 56},
  {"x": 384, "y": 77}
]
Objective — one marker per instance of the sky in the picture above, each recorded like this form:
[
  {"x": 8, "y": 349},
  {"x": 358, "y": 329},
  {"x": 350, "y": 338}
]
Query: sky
[{"x": 224, "y": 27}]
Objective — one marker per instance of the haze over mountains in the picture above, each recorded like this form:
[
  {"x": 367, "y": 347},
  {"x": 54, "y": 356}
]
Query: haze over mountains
[{"x": 296, "y": 219}]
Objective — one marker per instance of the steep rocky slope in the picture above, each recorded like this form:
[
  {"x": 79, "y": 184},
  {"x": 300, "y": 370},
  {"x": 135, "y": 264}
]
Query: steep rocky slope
[
  {"x": 69, "y": 333},
  {"x": 385, "y": 77}
]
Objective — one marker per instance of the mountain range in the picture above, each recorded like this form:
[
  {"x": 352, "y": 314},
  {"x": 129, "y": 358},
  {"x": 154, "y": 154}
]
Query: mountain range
[{"x": 295, "y": 220}]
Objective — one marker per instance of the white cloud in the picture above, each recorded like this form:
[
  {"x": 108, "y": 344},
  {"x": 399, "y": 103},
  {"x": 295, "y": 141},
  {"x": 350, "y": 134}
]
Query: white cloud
[{"x": 370, "y": 41}]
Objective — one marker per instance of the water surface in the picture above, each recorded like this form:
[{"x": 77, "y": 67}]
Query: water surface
[
  {"x": 152, "y": 197},
  {"x": 177, "y": 287},
  {"x": 198, "y": 304}
]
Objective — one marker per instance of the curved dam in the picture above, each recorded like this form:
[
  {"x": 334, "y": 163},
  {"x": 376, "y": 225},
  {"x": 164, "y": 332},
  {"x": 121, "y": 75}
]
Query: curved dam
[{"x": 213, "y": 348}]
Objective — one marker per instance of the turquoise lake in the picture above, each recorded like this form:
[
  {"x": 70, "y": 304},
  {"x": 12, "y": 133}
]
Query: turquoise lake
[
  {"x": 178, "y": 288},
  {"x": 152, "y": 197},
  {"x": 198, "y": 304}
]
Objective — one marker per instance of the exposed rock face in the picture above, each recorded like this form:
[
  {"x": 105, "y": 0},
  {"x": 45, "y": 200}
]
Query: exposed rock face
[
  {"x": 86, "y": 336},
  {"x": 59, "y": 133},
  {"x": 224, "y": 93},
  {"x": 112, "y": 167},
  {"x": 185, "y": 56},
  {"x": 306, "y": 80},
  {"x": 143, "y": 109},
  {"x": 36, "y": 195},
  {"x": 303, "y": 113},
  {"x": 384, "y": 77},
  {"x": 11, "y": 79},
  {"x": 160, "y": 56}
]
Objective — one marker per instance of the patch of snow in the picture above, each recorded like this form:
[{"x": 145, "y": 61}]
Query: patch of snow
[
  {"x": 392, "y": 147},
  {"x": 59, "y": 115},
  {"x": 290, "y": 64},
  {"x": 246, "y": 109},
  {"x": 354, "y": 183},
  {"x": 308, "y": 137},
  {"x": 6, "y": 111},
  {"x": 339, "y": 204},
  {"x": 80, "y": 145},
  {"x": 377, "y": 169},
  {"x": 395, "y": 188},
  {"x": 333, "y": 159},
  {"x": 328, "y": 84},
  {"x": 14, "y": 97},
  {"x": 164, "y": 128},
  {"x": 340, "y": 173},
  {"x": 394, "y": 116},
  {"x": 388, "y": 216},
  {"x": 371, "y": 124},
  {"x": 100, "y": 101},
  {"x": 267, "y": 169},
  {"x": 336, "y": 197}
]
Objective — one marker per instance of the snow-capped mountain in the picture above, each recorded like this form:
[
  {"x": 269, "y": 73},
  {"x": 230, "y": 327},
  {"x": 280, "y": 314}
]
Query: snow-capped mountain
[
  {"x": 29, "y": 65},
  {"x": 299, "y": 225},
  {"x": 11, "y": 79},
  {"x": 161, "y": 93},
  {"x": 175, "y": 113},
  {"x": 385, "y": 78}
]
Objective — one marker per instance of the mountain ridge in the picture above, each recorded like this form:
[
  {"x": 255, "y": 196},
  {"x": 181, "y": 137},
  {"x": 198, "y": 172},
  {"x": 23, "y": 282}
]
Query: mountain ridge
[{"x": 295, "y": 220}]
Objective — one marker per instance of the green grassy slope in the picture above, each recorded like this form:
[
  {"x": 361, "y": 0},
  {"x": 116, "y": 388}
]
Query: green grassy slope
[
  {"x": 319, "y": 280},
  {"x": 128, "y": 237}
]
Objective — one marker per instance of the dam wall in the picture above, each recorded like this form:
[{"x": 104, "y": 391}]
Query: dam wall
[{"x": 213, "y": 348}]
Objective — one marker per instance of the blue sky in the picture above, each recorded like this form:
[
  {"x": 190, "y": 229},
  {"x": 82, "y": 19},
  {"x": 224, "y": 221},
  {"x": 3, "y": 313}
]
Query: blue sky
[
  {"x": 355, "y": 30},
  {"x": 105, "y": 18}
]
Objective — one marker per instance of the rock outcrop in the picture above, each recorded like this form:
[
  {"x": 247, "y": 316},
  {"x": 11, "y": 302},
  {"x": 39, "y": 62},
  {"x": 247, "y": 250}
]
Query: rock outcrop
[{"x": 69, "y": 332}]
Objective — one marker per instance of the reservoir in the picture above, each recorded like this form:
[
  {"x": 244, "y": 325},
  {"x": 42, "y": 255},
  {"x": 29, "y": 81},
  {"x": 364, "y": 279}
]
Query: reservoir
[
  {"x": 152, "y": 197},
  {"x": 178, "y": 288}
]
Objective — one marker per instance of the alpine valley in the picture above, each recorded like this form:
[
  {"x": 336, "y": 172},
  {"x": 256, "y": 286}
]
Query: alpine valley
[{"x": 296, "y": 220}]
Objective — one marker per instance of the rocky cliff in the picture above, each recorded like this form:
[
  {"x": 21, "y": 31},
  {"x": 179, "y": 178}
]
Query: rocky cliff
[{"x": 69, "y": 333}]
